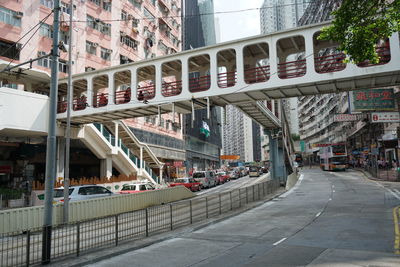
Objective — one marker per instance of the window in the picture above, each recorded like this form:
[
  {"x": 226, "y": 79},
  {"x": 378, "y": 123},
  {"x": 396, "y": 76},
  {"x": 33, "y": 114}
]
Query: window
[
  {"x": 10, "y": 17},
  {"x": 47, "y": 63},
  {"x": 128, "y": 41},
  {"x": 124, "y": 15},
  {"x": 150, "y": 17},
  {"x": 46, "y": 30},
  {"x": 89, "y": 69},
  {"x": 97, "y": 24},
  {"x": 91, "y": 47},
  {"x": 107, "y": 6},
  {"x": 65, "y": 8},
  {"x": 124, "y": 59},
  {"x": 105, "y": 53},
  {"x": 47, "y": 3},
  {"x": 96, "y": 2},
  {"x": 136, "y": 3}
]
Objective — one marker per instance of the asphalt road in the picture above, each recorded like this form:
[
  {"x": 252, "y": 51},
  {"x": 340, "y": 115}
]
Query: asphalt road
[{"x": 328, "y": 219}]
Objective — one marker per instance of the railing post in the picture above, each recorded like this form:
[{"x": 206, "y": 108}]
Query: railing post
[
  {"x": 230, "y": 197},
  {"x": 28, "y": 247},
  {"x": 206, "y": 207},
  {"x": 78, "y": 237},
  {"x": 220, "y": 204},
  {"x": 116, "y": 230},
  {"x": 191, "y": 212},
  {"x": 147, "y": 222},
  {"x": 170, "y": 215}
]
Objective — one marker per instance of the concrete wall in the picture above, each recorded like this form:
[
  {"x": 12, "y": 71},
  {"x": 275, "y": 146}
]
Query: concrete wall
[
  {"x": 23, "y": 111},
  {"x": 14, "y": 220}
]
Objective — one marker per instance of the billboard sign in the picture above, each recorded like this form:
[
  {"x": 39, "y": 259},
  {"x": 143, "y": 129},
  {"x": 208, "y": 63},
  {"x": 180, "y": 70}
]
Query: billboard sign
[
  {"x": 373, "y": 99},
  {"x": 377, "y": 117},
  {"x": 229, "y": 157}
]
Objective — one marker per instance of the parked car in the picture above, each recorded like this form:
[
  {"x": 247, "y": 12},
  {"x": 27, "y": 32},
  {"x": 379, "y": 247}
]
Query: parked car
[
  {"x": 207, "y": 179},
  {"x": 222, "y": 177},
  {"x": 136, "y": 188},
  {"x": 82, "y": 192},
  {"x": 189, "y": 183},
  {"x": 234, "y": 174}
]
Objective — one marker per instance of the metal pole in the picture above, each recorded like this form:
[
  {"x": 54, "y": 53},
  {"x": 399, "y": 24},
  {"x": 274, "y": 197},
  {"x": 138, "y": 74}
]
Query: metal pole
[
  {"x": 68, "y": 129},
  {"x": 51, "y": 143}
]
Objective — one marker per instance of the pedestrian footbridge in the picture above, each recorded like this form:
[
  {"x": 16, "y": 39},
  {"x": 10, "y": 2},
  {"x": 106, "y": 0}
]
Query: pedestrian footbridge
[{"x": 284, "y": 64}]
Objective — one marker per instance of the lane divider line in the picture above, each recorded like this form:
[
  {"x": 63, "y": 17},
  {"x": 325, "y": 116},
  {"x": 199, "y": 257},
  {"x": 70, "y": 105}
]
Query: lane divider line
[
  {"x": 396, "y": 215},
  {"x": 318, "y": 214},
  {"x": 280, "y": 241},
  {"x": 393, "y": 193}
]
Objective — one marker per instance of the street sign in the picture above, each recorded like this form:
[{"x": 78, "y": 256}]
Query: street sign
[{"x": 377, "y": 117}]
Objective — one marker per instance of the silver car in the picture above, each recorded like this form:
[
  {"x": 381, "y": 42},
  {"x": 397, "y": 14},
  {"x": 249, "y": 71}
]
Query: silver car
[{"x": 82, "y": 192}]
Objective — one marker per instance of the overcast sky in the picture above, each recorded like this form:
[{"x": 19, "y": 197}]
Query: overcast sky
[{"x": 238, "y": 24}]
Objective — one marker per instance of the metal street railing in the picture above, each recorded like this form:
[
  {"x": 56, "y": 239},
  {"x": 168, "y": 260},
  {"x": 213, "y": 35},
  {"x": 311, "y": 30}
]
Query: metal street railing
[{"x": 24, "y": 248}]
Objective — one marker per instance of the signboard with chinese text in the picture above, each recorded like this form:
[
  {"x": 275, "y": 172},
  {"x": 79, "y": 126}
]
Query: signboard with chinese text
[
  {"x": 229, "y": 157},
  {"x": 347, "y": 117},
  {"x": 385, "y": 117},
  {"x": 373, "y": 99}
]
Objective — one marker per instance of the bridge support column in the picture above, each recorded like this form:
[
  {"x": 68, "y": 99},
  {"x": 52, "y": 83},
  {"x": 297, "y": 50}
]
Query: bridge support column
[
  {"x": 60, "y": 157},
  {"x": 141, "y": 160},
  {"x": 106, "y": 167},
  {"x": 277, "y": 168},
  {"x": 116, "y": 134}
]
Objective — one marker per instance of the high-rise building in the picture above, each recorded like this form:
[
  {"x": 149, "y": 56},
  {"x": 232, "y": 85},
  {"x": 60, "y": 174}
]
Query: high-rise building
[
  {"x": 105, "y": 33},
  {"x": 276, "y": 15},
  {"x": 202, "y": 151}
]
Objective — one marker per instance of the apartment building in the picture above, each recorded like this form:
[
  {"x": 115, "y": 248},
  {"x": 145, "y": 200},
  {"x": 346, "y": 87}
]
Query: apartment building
[{"x": 105, "y": 33}]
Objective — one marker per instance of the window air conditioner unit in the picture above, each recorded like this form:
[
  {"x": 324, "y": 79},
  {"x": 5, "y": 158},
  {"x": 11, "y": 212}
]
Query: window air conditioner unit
[
  {"x": 130, "y": 17},
  {"x": 97, "y": 20},
  {"x": 18, "y": 15},
  {"x": 95, "y": 44},
  {"x": 123, "y": 34},
  {"x": 124, "y": 58},
  {"x": 109, "y": 51}
]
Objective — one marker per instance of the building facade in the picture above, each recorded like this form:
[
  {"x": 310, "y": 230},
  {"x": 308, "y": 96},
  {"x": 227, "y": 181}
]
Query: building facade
[
  {"x": 202, "y": 151},
  {"x": 105, "y": 33}
]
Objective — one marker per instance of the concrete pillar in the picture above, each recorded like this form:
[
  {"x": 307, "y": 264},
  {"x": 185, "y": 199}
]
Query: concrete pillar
[
  {"x": 161, "y": 175},
  {"x": 116, "y": 133},
  {"x": 141, "y": 159},
  {"x": 60, "y": 156},
  {"x": 106, "y": 167},
  {"x": 273, "y": 146},
  {"x": 111, "y": 89},
  {"x": 89, "y": 92}
]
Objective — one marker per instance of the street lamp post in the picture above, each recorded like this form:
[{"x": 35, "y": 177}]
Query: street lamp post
[{"x": 51, "y": 143}]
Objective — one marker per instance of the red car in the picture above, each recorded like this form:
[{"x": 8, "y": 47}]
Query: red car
[
  {"x": 223, "y": 177},
  {"x": 189, "y": 183}
]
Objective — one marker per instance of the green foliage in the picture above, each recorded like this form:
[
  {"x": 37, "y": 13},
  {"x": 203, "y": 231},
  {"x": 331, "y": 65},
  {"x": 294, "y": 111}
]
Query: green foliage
[
  {"x": 295, "y": 137},
  {"x": 11, "y": 193},
  {"x": 359, "y": 25}
]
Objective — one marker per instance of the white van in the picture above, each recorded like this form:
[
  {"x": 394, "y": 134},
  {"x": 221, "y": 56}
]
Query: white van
[{"x": 207, "y": 179}]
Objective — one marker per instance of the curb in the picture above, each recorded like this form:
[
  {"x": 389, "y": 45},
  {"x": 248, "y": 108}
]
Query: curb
[{"x": 91, "y": 257}]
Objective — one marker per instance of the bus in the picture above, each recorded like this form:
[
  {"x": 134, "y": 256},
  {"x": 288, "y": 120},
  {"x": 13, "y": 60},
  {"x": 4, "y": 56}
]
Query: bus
[{"x": 333, "y": 157}]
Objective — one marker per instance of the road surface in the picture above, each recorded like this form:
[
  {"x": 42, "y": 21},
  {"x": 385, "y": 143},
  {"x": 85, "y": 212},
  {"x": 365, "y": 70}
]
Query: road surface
[{"x": 328, "y": 219}]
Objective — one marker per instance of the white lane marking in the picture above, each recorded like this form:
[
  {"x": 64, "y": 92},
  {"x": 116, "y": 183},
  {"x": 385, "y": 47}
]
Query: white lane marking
[
  {"x": 333, "y": 191},
  {"x": 333, "y": 186},
  {"x": 319, "y": 213},
  {"x": 330, "y": 199},
  {"x": 397, "y": 191},
  {"x": 280, "y": 241}
]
